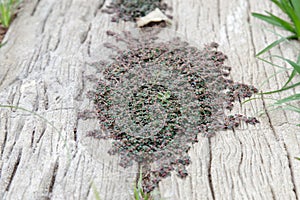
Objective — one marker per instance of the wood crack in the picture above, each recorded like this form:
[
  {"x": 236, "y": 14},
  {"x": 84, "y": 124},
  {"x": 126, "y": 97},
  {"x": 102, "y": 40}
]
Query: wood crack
[
  {"x": 99, "y": 7},
  {"x": 4, "y": 77},
  {"x": 46, "y": 100},
  {"x": 284, "y": 146},
  {"x": 16, "y": 165},
  {"x": 4, "y": 139},
  {"x": 85, "y": 34},
  {"x": 46, "y": 19},
  {"x": 32, "y": 138},
  {"x": 39, "y": 138},
  {"x": 210, "y": 182},
  {"x": 250, "y": 29},
  {"x": 35, "y": 7},
  {"x": 219, "y": 12},
  {"x": 53, "y": 178}
]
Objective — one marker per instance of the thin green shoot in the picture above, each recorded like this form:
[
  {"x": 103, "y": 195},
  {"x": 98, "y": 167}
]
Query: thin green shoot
[
  {"x": 33, "y": 113},
  {"x": 275, "y": 43},
  {"x": 164, "y": 96},
  {"x": 138, "y": 191},
  {"x": 95, "y": 191},
  {"x": 287, "y": 107},
  {"x": 282, "y": 89},
  {"x": 294, "y": 97},
  {"x": 1, "y": 45},
  {"x": 289, "y": 42},
  {"x": 276, "y": 106},
  {"x": 7, "y": 10},
  {"x": 283, "y": 69},
  {"x": 270, "y": 77},
  {"x": 41, "y": 117},
  {"x": 296, "y": 71},
  {"x": 273, "y": 64}
]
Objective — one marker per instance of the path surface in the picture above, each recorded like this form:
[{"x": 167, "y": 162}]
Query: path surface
[{"x": 53, "y": 45}]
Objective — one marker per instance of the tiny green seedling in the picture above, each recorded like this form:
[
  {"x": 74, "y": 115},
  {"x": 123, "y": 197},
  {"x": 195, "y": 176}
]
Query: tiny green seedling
[
  {"x": 164, "y": 96},
  {"x": 292, "y": 9},
  {"x": 295, "y": 72},
  {"x": 7, "y": 11},
  {"x": 138, "y": 191},
  {"x": 96, "y": 193}
]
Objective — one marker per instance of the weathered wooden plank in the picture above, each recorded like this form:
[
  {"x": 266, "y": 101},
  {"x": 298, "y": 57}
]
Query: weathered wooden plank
[
  {"x": 53, "y": 45},
  {"x": 251, "y": 162},
  {"x": 45, "y": 61}
]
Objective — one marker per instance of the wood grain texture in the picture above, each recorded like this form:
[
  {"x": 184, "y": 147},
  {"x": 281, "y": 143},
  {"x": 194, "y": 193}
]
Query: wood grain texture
[{"x": 54, "y": 45}]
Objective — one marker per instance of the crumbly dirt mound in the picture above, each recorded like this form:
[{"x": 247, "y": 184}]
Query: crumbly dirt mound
[
  {"x": 130, "y": 10},
  {"x": 156, "y": 97}
]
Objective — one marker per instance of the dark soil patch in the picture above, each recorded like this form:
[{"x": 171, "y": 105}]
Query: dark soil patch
[
  {"x": 156, "y": 97},
  {"x": 129, "y": 10},
  {"x": 2, "y": 33}
]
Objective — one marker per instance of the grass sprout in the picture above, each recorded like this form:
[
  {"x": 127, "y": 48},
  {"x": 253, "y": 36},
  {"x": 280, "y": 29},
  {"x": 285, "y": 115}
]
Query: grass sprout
[
  {"x": 292, "y": 9},
  {"x": 295, "y": 72},
  {"x": 138, "y": 190},
  {"x": 285, "y": 103},
  {"x": 7, "y": 11},
  {"x": 95, "y": 191},
  {"x": 42, "y": 118}
]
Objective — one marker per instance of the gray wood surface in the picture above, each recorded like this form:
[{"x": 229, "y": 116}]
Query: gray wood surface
[{"x": 53, "y": 45}]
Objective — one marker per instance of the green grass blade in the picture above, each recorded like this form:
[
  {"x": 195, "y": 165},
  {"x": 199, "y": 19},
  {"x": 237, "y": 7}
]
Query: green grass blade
[
  {"x": 270, "y": 77},
  {"x": 288, "y": 9},
  {"x": 33, "y": 113},
  {"x": 251, "y": 99},
  {"x": 291, "y": 12},
  {"x": 5, "y": 14},
  {"x": 273, "y": 64},
  {"x": 286, "y": 107},
  {"x": 268, "y": 19},
  {"x": 95, "y": 191},
  {"x": 293, "y": 74},
  {"x": 283, "y": 69},
  {"x": 7, "y": 9},
  {"x": 297, "y": 158},
  {"x": 276, "y": 43},
  {"x": 136, "y": 193},
  {"x": 41, "y": 117},
  {"x": 279, "y": 4},
  {"x": 294, "y": 97},
  {"x": 288, "y": 41},
  {"x": 292, "y": 63},
  {"x": 296, "y": 6},
  {"x": 283, "y": 24},
  {"x": 282, "y": 89},
  {"x": 292, "y": 108},
  {"x": 256, "y": 98},
  {"x": 1, "y": 45}
]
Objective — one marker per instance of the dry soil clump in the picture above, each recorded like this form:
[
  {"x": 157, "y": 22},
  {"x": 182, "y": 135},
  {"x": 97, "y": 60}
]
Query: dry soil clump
[{"x": 156, "y": 97}]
